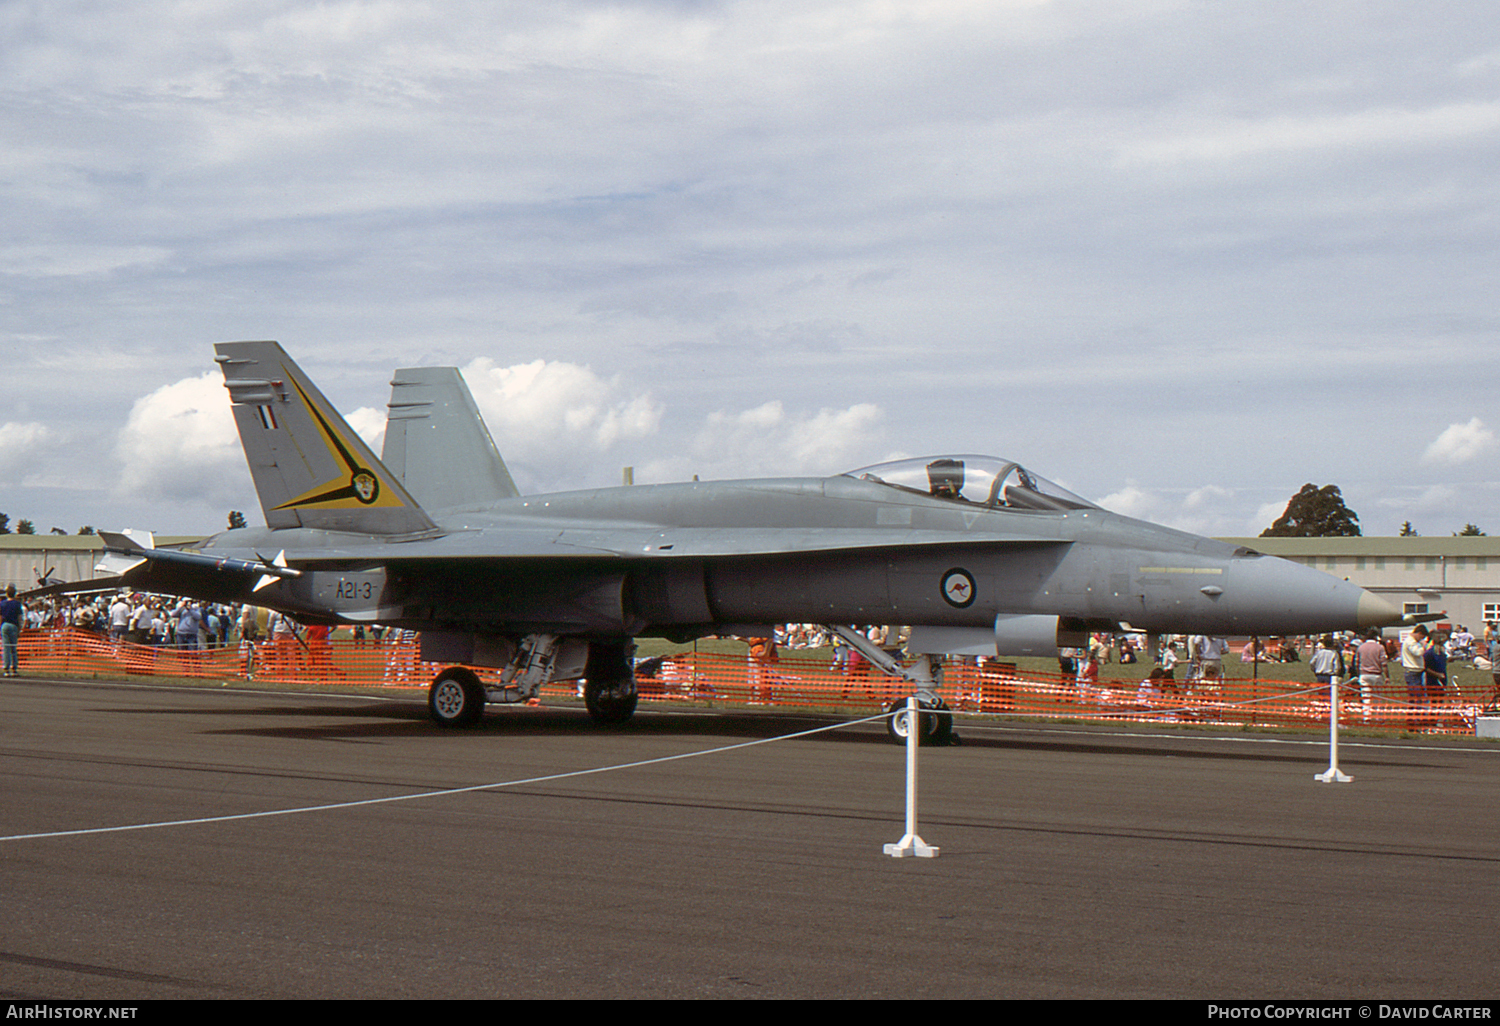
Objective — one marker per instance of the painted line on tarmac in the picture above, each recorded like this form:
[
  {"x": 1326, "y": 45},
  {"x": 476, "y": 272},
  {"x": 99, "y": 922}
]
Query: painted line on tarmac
[
  {"x": 1319, "y": 742},
  {"x": 439, "y": 794}
]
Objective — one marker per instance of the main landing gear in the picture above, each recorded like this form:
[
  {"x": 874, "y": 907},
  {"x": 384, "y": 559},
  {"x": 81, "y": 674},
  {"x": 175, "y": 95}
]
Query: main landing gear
[
  {"x": 457, "y": 696},
  {"x": 609, "y": 682}
]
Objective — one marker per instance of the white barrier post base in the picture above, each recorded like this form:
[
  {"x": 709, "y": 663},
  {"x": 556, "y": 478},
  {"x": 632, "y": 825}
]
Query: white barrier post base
[{"x": 909, "y": 845}]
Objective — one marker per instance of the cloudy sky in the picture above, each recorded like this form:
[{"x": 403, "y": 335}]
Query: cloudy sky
[{"x": 1182, "y": 256}]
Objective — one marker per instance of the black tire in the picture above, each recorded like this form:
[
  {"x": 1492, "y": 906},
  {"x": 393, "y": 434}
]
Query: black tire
[
  {"x": 936, "y": 727},
  {"x": 609, "y": 682},
  {"x": 610, "y": 701},
  {"x": 456, "y": 698}
]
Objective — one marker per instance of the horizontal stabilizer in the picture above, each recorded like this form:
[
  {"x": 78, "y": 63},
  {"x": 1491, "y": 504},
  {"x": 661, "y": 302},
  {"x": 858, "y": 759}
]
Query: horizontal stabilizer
[
  {"x": 124, "y": 550},
  {"x": 127, "y": 540}
]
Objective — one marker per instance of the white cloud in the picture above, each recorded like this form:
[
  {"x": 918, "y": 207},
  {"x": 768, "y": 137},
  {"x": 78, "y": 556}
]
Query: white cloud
[
  {"x": 554, "y": 421},
  {"x": 1133, "y": 501},
  {"x": 1460, "y": 443},
  {"x": 1210, "y": 510},
  {"x": 1267, "y": 514},
  {"x": 23, "y": 449},
  {"x": 369, "y": 424},
  {"x": 1207, "y": 496},
  {"x": 557, "y": 424},
  {"x": 557, "y": 403},
  {"x": 180, "y": 443}
]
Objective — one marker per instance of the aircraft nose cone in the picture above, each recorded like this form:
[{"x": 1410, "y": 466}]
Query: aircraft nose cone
[
  {"x": 1375, "y": 611},
  {"x": 1276, "y": 596}
]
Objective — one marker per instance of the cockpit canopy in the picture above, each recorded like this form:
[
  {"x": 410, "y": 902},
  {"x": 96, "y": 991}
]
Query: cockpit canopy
[{"x": 974, "y": 480}]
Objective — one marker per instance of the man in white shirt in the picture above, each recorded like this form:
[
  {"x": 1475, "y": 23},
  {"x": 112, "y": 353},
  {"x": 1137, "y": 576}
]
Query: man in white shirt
[{"x": 119, "y": 619}]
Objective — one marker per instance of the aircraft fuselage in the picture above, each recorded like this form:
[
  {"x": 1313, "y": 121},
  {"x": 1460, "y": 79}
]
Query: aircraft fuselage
[{"x": 693, "y": 558}]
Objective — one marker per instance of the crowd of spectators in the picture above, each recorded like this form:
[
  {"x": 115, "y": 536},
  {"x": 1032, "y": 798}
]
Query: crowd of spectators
[{"x": 274, "y": 638}]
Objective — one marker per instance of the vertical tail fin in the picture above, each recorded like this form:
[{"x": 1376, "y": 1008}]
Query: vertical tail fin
[
  {"x": 436, "y": 441},
  {"x": 310, "y": 468}
]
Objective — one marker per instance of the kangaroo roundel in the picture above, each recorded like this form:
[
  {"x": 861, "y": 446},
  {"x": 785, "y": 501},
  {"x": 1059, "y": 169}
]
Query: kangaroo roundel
[{"x": 958, "y": 588}]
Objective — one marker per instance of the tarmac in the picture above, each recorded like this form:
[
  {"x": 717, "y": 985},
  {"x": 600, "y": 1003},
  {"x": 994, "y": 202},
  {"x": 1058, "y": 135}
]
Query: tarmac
[{"x": 1075, "y": 861}]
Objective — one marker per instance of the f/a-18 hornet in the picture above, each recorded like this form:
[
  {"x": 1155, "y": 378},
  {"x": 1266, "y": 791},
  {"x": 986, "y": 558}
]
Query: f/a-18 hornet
[{"x": 976, "y": 553}]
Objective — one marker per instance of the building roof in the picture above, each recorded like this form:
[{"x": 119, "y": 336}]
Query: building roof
[
  {"x": 81, "y": 542},
  {"x": 1437, "y": 545}
]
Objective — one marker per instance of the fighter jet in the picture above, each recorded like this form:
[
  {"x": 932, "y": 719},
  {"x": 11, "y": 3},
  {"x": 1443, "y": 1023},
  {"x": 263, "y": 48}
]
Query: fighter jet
[{"x": 977, "y": 553}]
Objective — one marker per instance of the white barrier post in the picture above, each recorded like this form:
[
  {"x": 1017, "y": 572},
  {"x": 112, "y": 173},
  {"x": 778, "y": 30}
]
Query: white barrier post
[
  {"x": 911, "y": 844},
  {"x": 1333, "y": 773}
]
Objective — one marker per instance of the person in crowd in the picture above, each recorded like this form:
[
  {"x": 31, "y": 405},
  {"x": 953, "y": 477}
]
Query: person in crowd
[
  {"x": 761, "y": 656},
  {"x": 210, "y": 632},
  {"x": 1326, "y": 661},
  {"x": 1167, "y": 660},
  {"x": 1492, "y": 653},
  {"x": 12, "y": 613},
  {"x": 1372, "y": 661},
  {"x": 119, "y": 618},
  {"x": 189, "y": 621},
  {"x": 1414, "y": 667},
  {"x": 139, "y": 631},
  {"x": 1435, "y": 677}
]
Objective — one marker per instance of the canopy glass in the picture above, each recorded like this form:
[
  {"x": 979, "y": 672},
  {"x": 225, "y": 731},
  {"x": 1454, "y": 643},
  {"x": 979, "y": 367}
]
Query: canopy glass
[{"x": 974, "y": 480}]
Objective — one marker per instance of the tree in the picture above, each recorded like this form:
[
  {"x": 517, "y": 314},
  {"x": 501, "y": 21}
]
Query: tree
[
  {"x": 26, "y": 527},
  {"x": 1315, "y": 513},
  {"x": 4, "y": 523},
  {"x": 86, "y": 529},
  {"x": 236, "y": 520},
  {"x": 1469, "y": 531},
  {"x": 1408, "y": 531}
]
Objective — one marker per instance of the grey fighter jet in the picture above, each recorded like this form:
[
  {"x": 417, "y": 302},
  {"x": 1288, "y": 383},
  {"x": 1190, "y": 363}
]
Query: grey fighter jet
[{"x": 434, "y": 537}]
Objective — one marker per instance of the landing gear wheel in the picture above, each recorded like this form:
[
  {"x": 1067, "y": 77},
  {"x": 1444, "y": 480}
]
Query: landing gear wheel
[
  {"x": 609, "y": 681},
  {"x": 936, "y": 727},
  {"x": 610, "y": 701},
  {"x": 456, "y": 698}
]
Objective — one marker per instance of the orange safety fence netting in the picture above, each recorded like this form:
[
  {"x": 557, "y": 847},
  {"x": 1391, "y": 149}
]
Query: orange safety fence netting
[{"x": 807, "y": 680}]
